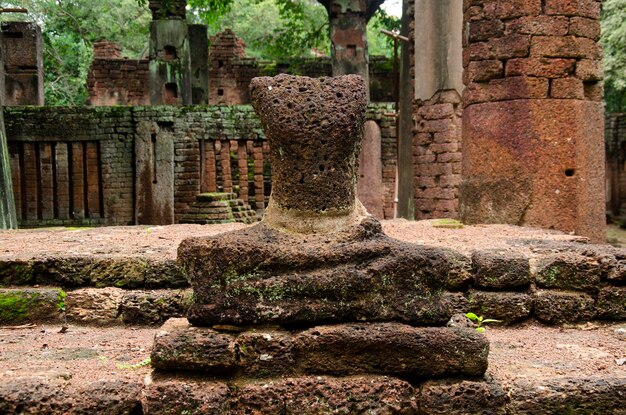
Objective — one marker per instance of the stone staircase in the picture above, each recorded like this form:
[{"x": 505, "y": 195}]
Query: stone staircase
[{"x": 214, "y": 208}]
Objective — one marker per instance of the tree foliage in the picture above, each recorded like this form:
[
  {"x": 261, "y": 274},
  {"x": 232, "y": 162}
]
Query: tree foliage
[
  {"x": 614, "y": 42},
  {"x": 70, "y": 27},
  {"x": 274, "y": 29}
]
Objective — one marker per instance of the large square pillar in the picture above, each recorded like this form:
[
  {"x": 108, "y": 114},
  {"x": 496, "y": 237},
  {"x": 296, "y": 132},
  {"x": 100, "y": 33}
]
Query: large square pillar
[
  {"x": 533, "y": 146},
  {"x": 22, "y": 51}
]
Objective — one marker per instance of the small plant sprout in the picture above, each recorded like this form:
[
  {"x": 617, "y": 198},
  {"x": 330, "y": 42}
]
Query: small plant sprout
[{"x": 480, "y": 321}]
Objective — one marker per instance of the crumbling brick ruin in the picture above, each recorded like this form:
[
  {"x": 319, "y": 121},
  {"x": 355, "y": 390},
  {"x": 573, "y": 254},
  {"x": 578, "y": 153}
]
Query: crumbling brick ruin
[
  {"x": 21, "y": 47},
  {"x": 113, "y": 80},
  {"x": 96, "y": 166},
  {"x": 526, "y": 57}
]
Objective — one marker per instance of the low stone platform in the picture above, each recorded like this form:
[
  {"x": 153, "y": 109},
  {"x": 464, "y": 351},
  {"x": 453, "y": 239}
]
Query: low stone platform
[
  {"x": 504, "y": 272},
  {"x": 533, "y": 369},
  {"x": 339, "y": 350}
]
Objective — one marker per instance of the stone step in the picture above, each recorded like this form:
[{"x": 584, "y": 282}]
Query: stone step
[
  {"x": 215, "y": 197},
  {"x": 356, "y": 395},
  {"x": 341, "y": 350},
  {"x": 534, "y": 370},
  {"x": 92, "y": 306},
  {"x": 210, "y": 209},
  {"x": 95, "y": 271},
  {"x": 41, "y": 304}
]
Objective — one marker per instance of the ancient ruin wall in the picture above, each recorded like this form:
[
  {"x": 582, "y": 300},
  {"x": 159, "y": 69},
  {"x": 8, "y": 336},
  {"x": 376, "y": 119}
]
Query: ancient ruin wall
[
  {"x": 533, "y": 119},
  {"x": 78, "y": 166},
  {"x": 113, "y": 80},
  {"x": 230, "y": 71}
]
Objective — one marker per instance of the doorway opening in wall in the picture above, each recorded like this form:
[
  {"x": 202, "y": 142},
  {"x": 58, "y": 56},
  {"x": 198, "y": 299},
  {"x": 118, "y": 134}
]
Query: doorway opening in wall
[
  {"x": 169, "y": 53},
  {"x": 170, "y": 93}
]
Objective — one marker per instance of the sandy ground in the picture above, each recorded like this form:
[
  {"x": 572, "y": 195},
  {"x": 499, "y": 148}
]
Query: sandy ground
[
  {"x": 85, "y": 354},
  {"x": 160, "y": 242}
]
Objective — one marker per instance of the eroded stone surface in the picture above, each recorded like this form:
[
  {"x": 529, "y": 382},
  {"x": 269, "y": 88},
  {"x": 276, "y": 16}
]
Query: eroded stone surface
[
  {"x": 508, "y": 307},
  {"x": 323, "y": 395},
  {"x": 500, "y": 269},
  {"x": 476, "y": 397},
  {"x": 262, "y": 275},
  {"x": 345, "y": 349},
  {"x": 314, "y": 127},
  {"x": 555, "y": 307}
]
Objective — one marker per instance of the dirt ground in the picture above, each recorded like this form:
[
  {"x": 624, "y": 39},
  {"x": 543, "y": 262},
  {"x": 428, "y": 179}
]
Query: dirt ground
[{"x": 161, "y": 242}]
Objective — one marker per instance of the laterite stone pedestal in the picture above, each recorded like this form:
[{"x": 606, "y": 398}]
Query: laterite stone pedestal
[{"x": 314, "y": 309}]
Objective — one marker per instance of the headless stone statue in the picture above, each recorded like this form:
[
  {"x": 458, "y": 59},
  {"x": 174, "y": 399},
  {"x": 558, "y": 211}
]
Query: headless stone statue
[
  {"x": 314, "y": 127},
  {"x": 317, "y": 255}
]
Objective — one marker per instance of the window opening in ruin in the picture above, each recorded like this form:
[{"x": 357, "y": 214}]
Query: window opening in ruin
[
  {"x": 153, "y": 138},
  {"x": 169, "y": 53},
  {"x": 170, "y": 95},
  {"x": 220, "y": 64},
  {"x": 569, "y": 172},
  {"x": 351, "y": 50},
  {"x": 220, "y": 92},
  {"x": 13, "y": 35}
]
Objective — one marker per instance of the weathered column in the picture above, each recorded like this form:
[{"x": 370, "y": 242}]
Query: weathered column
[
  {"x": 315, "y": 141},
  {"x": 22, "y": 50},
  {"x": 370, "y": 180},
  {"x": 199, "y": 47},
  {"x": 437, "y": 107},
  {"x": 533, "y": 148},
  {"x": 170, "y": 59},
  {"x": 348, "y": 35},
  {"x": 8, "y": 218}
]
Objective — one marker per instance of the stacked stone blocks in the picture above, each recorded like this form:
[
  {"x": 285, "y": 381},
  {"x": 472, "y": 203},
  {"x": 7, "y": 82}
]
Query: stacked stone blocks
[
  {"x": 533, "y": 120},
  {"x": 211, "y": 208},
  {"x": 531, "y": 49}
]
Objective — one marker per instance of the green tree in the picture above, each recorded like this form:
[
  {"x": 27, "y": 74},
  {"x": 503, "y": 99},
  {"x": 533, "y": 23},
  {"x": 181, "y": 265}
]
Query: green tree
[
  {"x": 614, "y": 42},
  {"x": 70, "y": 27},
  {"x": 296, "y": 30}
]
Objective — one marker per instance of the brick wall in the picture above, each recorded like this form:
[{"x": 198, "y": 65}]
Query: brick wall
[
  {"x": 76, "y": 166},
  {"x": 230, "y": 71},
  {"x": 532, "y": 49},
  {"x": 113, "y": 80}
]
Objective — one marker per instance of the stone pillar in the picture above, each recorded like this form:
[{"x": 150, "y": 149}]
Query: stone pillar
[
  {"x": 315, "y": 141},
  {"x": 164, "y": 9},
  {"x": 22, "y": 51},
  {"x": 199, "y": 47},
  {"x": 437, "y": 107},
  {"x": 8, "y": 218},
  {"x": 154, "y": 174},
  {"x": 170, "y": 59},
  {"x": 348, "y": 35},
  {"x": 370, "y": 181},
  {"x": 533, "y": 148}
]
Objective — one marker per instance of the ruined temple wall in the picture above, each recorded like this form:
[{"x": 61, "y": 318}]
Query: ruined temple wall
[
  {"x": 71, "y": 165},
  {"x": 118, "y": 81},
  {"x": 79, "y": 166}
]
